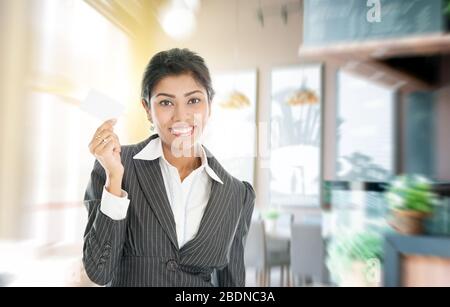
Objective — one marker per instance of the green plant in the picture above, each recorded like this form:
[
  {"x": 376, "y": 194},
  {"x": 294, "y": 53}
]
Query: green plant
[
  {"x": 362, "y": 246},
  {"x": 346, "y": 249},
  {"x": 271, "y": 214},
  {"x": 411, "y": 193},
  {"x": 447, "y": 7}
]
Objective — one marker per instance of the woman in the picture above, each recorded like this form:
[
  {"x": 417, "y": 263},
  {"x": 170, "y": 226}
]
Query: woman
[{"x": 164, "y": 212}]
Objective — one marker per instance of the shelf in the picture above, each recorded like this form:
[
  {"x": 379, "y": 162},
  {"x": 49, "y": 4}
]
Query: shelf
[
  {"x": 368, "y": 58},
  {"x": 378, "y": 49}
]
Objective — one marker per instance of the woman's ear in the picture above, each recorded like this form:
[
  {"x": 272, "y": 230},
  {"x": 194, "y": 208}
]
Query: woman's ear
[
  {"x": 147, "y": 110},
  {"x": 144, "y": 104}
]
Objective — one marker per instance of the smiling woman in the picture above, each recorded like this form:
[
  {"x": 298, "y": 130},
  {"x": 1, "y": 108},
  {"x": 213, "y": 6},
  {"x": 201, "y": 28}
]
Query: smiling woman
[
  {"x": 179, "y": 108},
  {"x": 164, "y": 212}
]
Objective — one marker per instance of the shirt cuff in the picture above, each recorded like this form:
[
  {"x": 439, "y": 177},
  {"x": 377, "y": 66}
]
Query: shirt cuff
[{"x": 113, "y": 206}]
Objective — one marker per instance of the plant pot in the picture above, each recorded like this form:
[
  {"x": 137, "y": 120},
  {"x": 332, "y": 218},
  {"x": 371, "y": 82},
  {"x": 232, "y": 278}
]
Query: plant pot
[
  {"x": 362, "y": 274},
  {"x": 270, "y": 225},
  {"x": 407, "y": 221}
]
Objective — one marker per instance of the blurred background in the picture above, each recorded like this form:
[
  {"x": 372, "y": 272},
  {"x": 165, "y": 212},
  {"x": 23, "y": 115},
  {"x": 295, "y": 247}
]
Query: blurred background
[{"x": 336, "y": 111}]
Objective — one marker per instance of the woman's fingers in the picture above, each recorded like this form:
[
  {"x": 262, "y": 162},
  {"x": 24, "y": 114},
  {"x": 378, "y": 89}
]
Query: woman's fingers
[
  {"x": 105, "y": 146},
  {"x": 102, "y": 139},
  {"x": 107, "y": 138},
  {"x": 99, "y": 149},
  {"x": 109, "y": 146},
  {"x": 101, "y": 136},
  {"x": 107, "y": 125}
]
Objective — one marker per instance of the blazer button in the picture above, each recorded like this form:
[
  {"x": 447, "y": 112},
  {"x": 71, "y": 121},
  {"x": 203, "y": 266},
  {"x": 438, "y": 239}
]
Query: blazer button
[{"x": 172, "y": 265}]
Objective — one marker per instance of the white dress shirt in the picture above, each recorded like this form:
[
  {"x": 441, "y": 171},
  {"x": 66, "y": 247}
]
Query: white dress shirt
[{"x": 187, "y": 198}]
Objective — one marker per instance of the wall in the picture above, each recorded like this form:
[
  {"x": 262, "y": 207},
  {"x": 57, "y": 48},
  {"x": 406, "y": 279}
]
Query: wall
[
  {"x": 13, "y": 66},
  {"x": 443, "y": 124}
]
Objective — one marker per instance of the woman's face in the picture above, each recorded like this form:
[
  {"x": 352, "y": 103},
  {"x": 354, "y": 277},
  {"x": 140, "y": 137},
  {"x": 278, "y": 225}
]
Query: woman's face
[{"x": 179, "y": 110}]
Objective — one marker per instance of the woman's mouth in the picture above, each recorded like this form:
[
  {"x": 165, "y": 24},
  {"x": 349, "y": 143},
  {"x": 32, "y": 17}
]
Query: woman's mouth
[{"x": 182, "y": 131}]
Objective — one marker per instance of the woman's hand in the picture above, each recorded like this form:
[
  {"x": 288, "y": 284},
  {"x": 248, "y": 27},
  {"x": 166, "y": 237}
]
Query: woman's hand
[{"x": 105, "y": 146}]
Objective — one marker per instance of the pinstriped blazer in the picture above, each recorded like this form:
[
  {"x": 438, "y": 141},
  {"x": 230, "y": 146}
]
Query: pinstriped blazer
[{"x": 142, "y": 249}]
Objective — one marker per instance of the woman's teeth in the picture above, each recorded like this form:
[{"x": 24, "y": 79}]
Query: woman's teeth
[{"x": 185, "y": 131}]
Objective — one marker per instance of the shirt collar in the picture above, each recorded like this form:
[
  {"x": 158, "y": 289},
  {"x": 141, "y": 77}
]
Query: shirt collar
[{"x": 153, "y": 150}]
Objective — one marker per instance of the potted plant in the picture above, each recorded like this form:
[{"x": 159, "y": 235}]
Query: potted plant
[
  {"x": 355, "y": 259},
  {"x": 411, "y": 201},
  {"x": 270, "y": 217}
]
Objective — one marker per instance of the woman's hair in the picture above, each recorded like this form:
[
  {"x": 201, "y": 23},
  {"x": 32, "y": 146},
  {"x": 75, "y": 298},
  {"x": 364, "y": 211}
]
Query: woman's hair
[{"x": 175, "y": 62}]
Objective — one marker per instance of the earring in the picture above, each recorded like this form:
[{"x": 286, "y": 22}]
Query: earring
[{"x": 152, "y": 128}]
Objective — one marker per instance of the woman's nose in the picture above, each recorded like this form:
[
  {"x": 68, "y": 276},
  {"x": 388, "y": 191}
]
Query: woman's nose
[{"x": 180, "y": 113}]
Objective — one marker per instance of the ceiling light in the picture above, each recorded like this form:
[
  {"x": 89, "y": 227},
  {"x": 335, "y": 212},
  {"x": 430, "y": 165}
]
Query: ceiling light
[{"x": 177, "y": 18}]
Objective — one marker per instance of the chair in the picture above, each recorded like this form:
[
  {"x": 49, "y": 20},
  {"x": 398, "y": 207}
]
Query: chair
[
  {"x": 307, "y": 252},
  {"x": 255, "y": 250},
  {"x": 278, "y": 248},
  {"x": 264, "y": 251}
]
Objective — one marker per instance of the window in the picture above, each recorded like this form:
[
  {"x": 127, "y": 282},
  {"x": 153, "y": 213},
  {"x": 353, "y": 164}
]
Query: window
[
  {"x": 231, "y": 131},
  {"x": 365, "y": 153},
  {"x": 295, "y": 136},
  {"x": 364, "y": 132},
  {"x": 75, "y": 49}
]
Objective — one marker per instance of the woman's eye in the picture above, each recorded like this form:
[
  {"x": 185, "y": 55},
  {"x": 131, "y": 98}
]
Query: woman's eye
[
  {"x": 194, "y": 100},
  {"x": 165, "y": 103}
]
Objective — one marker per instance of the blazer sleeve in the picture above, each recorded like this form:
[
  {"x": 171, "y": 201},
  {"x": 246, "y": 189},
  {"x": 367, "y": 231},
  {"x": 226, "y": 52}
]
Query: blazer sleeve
[
  {"x": 233, "y": 275},
  {"x": 103, "y": 237}
]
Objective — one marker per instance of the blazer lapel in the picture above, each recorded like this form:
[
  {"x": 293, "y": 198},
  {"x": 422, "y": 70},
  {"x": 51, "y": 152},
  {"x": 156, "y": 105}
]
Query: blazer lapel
[
  {"x": 152, "y": 184},
  {"x": 216, "y": 207}
]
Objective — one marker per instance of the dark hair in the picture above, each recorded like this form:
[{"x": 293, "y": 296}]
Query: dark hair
[{"x": 175, "y": 62}]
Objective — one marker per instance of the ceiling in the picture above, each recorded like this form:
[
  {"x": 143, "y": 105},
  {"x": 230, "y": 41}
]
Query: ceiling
[{"x": 132, "y": 16}]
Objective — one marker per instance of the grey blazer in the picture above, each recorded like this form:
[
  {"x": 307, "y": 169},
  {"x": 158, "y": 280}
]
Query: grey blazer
[{"x": 142, "y": 249}]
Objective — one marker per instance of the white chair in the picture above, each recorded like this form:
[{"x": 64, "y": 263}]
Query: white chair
[
  {"x": 278, "y": 248},
  {"x": 255, "y": 251},
  {"x": 307, "y": 253},
  {"x": 263, "y": 252}
]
